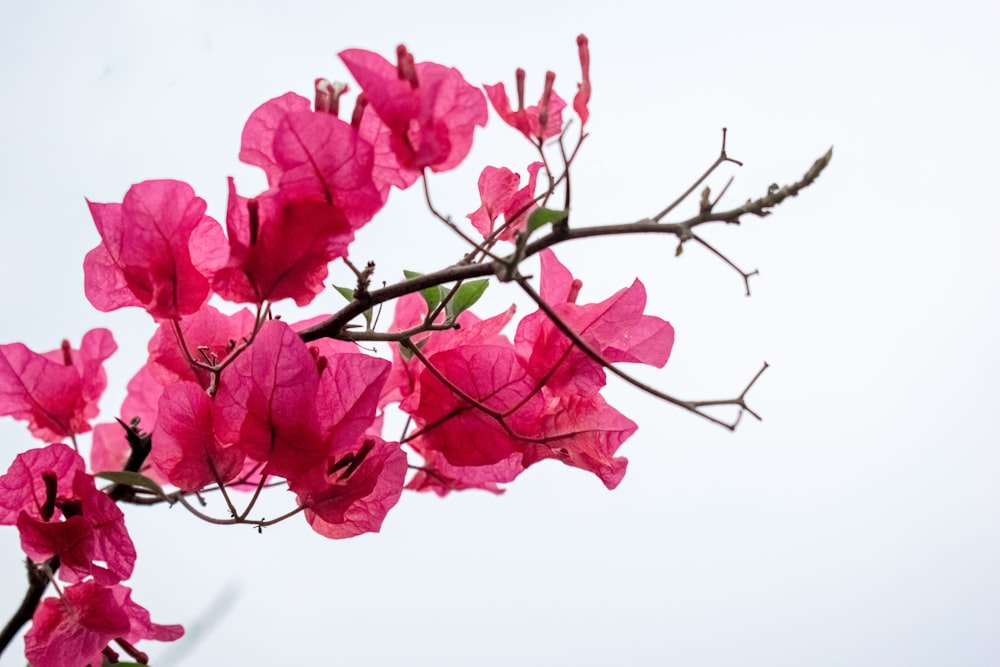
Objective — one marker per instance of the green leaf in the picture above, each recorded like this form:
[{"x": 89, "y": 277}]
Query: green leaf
[
  {"x": 465, "y": 296},
  {"x": 348, "y": 293},
  {"x": 432, "y": 295},
  {"x": 543, "y": 216},
  {"x": 132, "y": 479},
  {"x": 345, "y": 292}
]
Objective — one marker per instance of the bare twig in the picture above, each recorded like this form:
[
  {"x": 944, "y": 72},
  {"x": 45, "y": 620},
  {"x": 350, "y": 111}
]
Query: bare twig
[
  {"x": 708, "y": 172},
  {"x": 335, "y": 325}
]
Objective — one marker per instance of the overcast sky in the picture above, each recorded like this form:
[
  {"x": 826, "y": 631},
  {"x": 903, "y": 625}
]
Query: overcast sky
[{"x": 857, "y": 524}]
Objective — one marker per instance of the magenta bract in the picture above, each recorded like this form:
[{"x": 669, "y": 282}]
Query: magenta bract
[
  {"x": 55, "y": 392},
  {"x": 158, "y": 251},
  {"x": 430, "y": 110}
]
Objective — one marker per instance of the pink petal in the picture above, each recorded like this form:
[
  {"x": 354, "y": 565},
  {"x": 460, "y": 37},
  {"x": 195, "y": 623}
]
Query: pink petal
[
  {"x": 348, "y": 393},
  {"x": 432, "y": 124},
  {"x": 441, "y": 477},
  {"x": 72, "y": 540},
  {"x": 323, "y": 159},
  {"x": 112, "y": 543},
  {"x": 527, "y": 120},
  {"x": 496, "y": 187},
  {"x": 266, "y": 403},
  {"x": 44, "y": 393},
  {"x": 185, "y": 447},
  {"x": 345, "y": 507},
  {"x": 162, "y": 244},
  {"x": 22, "y": 488},
  {"x": 140, "y": 625},
  {"x": 74, "y": 629},
  {"x": 290, "y": 256},
  {"x": 465, "y": 435},
  {"x": 387, "y": 171},
  {"x": 257, "y": 144},
  {"x": 584, "y": 432}
]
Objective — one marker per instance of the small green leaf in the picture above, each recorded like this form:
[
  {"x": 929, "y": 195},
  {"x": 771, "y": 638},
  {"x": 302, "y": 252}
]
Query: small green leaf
[
  {"x": 345, "y": 292},
  {"x": 132, "y": 479},
  {"x": 432, "y": 295},
  {"x": 348, "y": 294},
  {"x": 465, "y": 296},
  {"x": 543, "y": 216}
]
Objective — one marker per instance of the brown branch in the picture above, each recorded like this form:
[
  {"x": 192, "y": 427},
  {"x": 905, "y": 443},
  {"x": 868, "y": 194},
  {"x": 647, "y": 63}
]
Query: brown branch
[
  {"x": 38, "y": 581},
  {"x": 708, "y": 172},
  {"x": 335, "y": 325},
  {"x": 746, "y": 276},
  {"x": 477, "y": 247}
]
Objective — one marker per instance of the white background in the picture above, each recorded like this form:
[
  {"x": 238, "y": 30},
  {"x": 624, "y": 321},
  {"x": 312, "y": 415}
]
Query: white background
[{"x": 857, "y": 524}]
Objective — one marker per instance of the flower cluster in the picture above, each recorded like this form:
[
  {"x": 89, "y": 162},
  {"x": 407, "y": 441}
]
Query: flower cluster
[
  {"x": 240, "y": 400},
  {"x": 78, "y": 531},
  {"x": 487, "y": 408}
]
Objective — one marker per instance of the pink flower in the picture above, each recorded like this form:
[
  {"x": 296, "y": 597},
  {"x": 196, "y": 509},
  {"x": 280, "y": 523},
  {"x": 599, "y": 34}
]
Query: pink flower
[
  {"x": 158, "y": 251},
  {"x": 500, "y": 195},
  {"x": 60, "y": 512},
  {"x": 356, "y": 491},
  {"x": 311, "y": 156},
  {"x": 186, "y": 447},
  {"x": 540, "y": 393},
  {"x": 538, "y": 122},
  {"x": 616, "y": 328},
  {"x": 23, "y": 487},
  {"x": 387, "y": 172},
  {"x": 280, "y": 248},
  {"x": 362, "y": 478},
  {"x": 266, "y": 404},
  {"x": 76, "y": 628},
  {"x": 430, "y": 109},
  {"x": 55, "y": 392}
]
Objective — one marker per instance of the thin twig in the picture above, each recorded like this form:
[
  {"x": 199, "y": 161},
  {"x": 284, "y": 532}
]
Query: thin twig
[
  {"x": 708, "y": 172},
  {"x": 38, "y": 581},
  {"x": 335, "y": 325}
]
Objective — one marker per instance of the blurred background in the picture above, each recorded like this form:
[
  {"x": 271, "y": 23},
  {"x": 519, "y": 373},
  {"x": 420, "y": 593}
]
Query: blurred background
[{"x": 856, "y": 524}]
